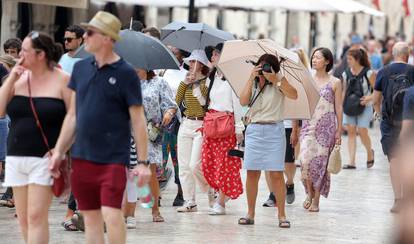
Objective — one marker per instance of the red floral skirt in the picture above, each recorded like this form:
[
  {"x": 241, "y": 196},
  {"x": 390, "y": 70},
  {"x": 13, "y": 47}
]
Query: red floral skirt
[{"x": 222, "y": 172}]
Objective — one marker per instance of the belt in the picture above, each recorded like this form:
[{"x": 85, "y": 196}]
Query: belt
[
  {"x": 195, "y": 118},
  {"x": 265, "y": 123}
]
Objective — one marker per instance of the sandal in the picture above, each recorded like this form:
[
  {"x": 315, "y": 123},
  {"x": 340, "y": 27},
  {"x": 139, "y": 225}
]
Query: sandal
[
  {"x": 69, "y": 226},
  {"x": 7, "y": 203},
  {"x": 348, "y": 166},
  {"x": 307, "y": 203},
  {"x": 285, "y": 224},
  {"x": 157, "y": 218},
  {"x": 313, "y": 209},
  {"x": 246, "y": 221},
  {"x": 370, "y": 163}
]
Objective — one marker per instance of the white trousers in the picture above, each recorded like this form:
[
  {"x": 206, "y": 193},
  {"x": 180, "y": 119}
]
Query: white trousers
[{"x": 189, "y": 143}]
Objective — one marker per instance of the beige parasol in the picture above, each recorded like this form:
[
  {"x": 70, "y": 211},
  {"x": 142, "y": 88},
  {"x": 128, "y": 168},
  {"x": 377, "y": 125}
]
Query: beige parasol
[{"x": 236, "y": 63}]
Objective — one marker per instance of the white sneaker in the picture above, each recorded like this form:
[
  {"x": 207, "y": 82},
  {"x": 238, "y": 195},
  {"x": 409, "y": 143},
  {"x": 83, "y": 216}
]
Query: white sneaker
[
  {"x": 187, "y": 207},
  {"x": 131, "y": 222},
  {"x": 217, "y": 209},
  {"x": 212, "y": 196}
]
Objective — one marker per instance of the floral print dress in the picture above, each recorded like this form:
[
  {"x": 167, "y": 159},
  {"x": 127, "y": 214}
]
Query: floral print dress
[
  {"x": 157, "y": 98},
  {"x": 317, "y": 140}
]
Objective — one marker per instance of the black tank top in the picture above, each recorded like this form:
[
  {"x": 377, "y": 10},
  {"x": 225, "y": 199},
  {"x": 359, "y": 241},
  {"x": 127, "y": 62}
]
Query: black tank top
[{"x": 25, "y": 138}]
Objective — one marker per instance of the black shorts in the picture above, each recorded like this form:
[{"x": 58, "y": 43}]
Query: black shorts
[{"x": 290, "y": 151}]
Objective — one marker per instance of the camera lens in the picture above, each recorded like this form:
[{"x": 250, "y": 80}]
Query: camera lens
[{"x": 267, "y": 68}]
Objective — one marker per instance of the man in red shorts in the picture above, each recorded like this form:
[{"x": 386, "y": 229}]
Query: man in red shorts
[{"x": 106, "y": 102}]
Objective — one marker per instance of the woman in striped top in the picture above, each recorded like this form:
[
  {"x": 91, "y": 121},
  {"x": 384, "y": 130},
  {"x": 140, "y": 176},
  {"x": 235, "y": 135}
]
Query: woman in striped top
[{"x": 191, "y": 95}]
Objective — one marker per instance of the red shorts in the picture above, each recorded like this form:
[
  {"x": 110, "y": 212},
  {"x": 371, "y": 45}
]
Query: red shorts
[{"x": 95, "y": 184}]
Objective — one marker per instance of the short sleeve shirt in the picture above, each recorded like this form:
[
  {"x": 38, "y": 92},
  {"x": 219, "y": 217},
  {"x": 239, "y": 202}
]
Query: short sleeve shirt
[
  {"x": 103, "y": 98},
  {"x": 381, "y": 82},
  {"x": 365, "y": 86},
  {"x": 408, "y": 109}
]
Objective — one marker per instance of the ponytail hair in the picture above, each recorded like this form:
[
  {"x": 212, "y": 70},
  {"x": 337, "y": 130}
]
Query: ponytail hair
[
  {"x": 43, "y": 42},
  {"x": 361, "y": 56}
]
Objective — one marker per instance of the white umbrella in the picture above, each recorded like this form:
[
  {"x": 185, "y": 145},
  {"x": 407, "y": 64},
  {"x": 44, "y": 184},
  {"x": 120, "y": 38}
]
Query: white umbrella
[{"x": 236, "y": 65}]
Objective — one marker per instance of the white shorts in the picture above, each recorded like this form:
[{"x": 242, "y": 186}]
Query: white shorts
[
  {"x": 131, "y": 190},
  {"x": 22, "y": 171}
]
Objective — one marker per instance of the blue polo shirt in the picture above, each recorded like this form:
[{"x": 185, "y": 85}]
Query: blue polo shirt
[{"x": 103, "y": 98}]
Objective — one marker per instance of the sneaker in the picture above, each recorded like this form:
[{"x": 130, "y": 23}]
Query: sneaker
[
  {"x": 164, "y": 182},
  {"x": 187, "y": 207},
  {"x": 270, "y": 202},
  {"x": 290, "y": 193},
  {"x": 178, "y": 201},
  {"x": 212, "y": 196},
  {"x": 131, "y": 223},
  {"x": 217, "y": 209}
]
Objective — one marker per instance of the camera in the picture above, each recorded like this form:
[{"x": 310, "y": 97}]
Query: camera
[{"x": 265, "y": 68}]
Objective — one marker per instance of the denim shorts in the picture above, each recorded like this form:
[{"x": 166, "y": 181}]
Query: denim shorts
[
  {"x": 362, "y": 120},
  {"x": 4, "y": 131}
]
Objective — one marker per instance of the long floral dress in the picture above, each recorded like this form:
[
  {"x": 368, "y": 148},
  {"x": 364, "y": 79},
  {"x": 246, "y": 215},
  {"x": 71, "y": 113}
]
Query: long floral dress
[{"x": 317, "y": 141}]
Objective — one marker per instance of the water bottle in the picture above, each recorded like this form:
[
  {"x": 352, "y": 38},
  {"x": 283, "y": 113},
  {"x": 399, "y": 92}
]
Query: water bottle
[{"x": 144, "y": 195}]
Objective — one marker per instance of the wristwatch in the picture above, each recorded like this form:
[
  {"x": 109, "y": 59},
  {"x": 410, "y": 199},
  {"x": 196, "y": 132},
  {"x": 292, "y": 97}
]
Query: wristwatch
[
  {"x": 279, "y": 84},
  {"x": 144, "y": 162}
]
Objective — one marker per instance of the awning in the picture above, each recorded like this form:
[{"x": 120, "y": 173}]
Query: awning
[
  {"x": 340, "y": 6},
  {"x": 161, "y": 3},
  {"x": 62, "y": 3}
]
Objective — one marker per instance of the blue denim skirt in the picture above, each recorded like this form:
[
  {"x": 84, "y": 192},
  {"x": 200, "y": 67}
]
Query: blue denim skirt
[
  {"x": 265, "y": 147},
  {"x": 4, "y": 131}
]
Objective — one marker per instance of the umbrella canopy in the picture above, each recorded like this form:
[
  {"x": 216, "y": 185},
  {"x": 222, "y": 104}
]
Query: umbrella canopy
[
  {"x": 141, "y": 51},
  {"x": 236, "y": 65},
  {"x": 191, "y": 36}
]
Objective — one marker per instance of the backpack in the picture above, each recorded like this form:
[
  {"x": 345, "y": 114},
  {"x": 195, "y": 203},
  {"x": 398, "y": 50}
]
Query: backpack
[
  {"x": 393, "y": 101},
  {"x": 354, "y": 92}
]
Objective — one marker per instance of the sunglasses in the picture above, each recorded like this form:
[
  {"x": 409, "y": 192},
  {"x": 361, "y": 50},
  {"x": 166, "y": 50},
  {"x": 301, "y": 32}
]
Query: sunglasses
[
  {"x": 69, "y": 39},
  {"x": 91, "y": 32}
]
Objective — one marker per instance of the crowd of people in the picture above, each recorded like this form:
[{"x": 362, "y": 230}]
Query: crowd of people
[{"x": 120, "y": 126}]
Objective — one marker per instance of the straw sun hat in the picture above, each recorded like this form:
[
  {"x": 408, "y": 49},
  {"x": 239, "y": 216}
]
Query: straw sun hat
[{"x": 107, "y": 23}]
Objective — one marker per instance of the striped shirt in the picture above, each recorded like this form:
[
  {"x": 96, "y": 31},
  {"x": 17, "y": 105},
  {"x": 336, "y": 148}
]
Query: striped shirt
[{"x": 190, "y": 102}]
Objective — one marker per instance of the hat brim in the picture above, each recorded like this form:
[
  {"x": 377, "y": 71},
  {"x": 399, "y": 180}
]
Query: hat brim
[
  {"x": 111, "y": 34},
  {"x": 187, "y": 61}
]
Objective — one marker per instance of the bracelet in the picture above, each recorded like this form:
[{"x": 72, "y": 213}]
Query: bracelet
[{"x": 144, "y": 162}]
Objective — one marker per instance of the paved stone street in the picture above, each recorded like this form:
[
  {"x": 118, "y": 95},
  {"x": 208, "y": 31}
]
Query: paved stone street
[{"x": 357, "y": 211}]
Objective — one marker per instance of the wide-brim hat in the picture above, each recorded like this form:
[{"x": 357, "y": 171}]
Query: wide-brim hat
[
  {"x": 197, "y": 55},
  {"x": 107, "y": 23}
]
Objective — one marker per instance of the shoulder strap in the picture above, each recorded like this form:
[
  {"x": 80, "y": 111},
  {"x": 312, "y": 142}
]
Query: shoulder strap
[
  {"x": 36, "y": 116},
  {"x": 258, "y": 94}
]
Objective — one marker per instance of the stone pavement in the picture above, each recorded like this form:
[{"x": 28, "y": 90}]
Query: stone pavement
[{"x": 357, "y": 211}]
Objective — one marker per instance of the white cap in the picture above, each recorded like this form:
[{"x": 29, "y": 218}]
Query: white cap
[{"x": 197, "y": 55}]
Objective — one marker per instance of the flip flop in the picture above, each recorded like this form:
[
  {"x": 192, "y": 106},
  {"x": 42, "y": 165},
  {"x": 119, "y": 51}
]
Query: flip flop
[
  {"x": 370, "y": 163},
  {"x": 307, "y": 203},
  {"x": 285, "y": 224},
  {"x": 313, "y": 209},
  {"x": 157, "y": 219},
  {"x": 246, "y": 221},
  {"x": 348, "y": 166}
]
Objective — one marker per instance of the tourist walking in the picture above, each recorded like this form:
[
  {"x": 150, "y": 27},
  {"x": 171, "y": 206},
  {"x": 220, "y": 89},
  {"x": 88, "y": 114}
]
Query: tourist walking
[
  {"x": 265, "y": 134},
  {"x": 392, "y": 82},
  {"x": 34, "y": 86},
  {"x": 319, "y": 134},
  {"x": 192, "y": 94},
  {"x": 105, "y": 94},
  {"x": 221, "y": 171},
  {"x": 358, "y": 111}
]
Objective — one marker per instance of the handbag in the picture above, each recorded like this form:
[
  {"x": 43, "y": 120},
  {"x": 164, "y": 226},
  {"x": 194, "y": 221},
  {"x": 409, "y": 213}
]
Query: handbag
[
  {"x": 62, "y": 183},
  {"x": 154, "y": 132},
  {"x": 335, "y": 160},
  {"x": 218, "y": 124}
]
